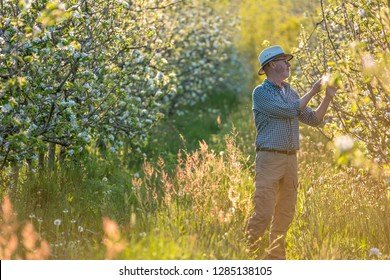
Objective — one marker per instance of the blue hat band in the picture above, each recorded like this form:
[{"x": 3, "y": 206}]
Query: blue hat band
[{"x": 269, "y": 59}]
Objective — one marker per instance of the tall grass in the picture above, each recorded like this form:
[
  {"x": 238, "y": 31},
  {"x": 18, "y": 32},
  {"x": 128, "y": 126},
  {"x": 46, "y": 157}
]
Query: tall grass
[
  {"x": 194, "y": 213},
  {"x": 194, "y": 204},
  {"x": 342, "y": 213},
  {"x": 204, "y": 204}
]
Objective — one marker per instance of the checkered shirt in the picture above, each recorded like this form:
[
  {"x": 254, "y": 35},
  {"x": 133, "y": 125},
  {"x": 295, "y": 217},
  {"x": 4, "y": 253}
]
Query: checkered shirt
[{"x": 277, "y": 116}]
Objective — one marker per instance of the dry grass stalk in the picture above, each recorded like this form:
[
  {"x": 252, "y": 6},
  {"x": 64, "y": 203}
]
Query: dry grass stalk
[{"x": 32, "y": 247}]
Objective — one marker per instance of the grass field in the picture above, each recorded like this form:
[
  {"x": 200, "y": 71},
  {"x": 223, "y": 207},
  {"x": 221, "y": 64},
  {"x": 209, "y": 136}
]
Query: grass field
[{"x": 192, "y": 197}]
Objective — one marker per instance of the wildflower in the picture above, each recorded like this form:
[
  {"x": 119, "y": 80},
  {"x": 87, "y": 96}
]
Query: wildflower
[
  {"x": 80, "y": 229},
  {"x": 65, "y": 211},
  {"x": 375, "y": 252},
  {"x": 57, "y": 222},
  {"x": 104, "y": 179},
  {"x": 6, "y": 108},
  {"x": 73, "y": 221}
]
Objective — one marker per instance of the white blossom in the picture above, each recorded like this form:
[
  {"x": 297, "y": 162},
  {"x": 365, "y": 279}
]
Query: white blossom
[
  {"x": 6, "y": 108},
  {"x": 344, "y": 143}
]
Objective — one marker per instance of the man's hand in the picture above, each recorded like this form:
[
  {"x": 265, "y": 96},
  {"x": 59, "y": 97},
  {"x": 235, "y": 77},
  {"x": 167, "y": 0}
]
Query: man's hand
[
  {"x": 331, "y": 83},
  {"x": 317, "y": 86},
  {"x": 331, "y": 91}
]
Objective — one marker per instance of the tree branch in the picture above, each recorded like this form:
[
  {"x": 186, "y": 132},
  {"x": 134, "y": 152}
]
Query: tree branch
[{"x": 327, "y": 30}]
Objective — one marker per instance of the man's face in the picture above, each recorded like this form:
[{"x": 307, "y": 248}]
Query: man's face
[{"x": 282, "y": 66}]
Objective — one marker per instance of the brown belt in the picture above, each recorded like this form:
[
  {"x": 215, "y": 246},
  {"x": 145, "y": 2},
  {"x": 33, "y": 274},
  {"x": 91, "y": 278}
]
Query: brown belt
[{"x": 291, "y": 152}]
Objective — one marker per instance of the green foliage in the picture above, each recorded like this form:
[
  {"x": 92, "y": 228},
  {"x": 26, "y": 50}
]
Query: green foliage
[
  {"x": 107, "y": 72},
  {"x": 198, "y": 210},
  {"x": 352, "y": 43},
  {"x": 193, "y": 124},
  {"x": 342, "y": 211},
  {"x": 75, "y": 73}
]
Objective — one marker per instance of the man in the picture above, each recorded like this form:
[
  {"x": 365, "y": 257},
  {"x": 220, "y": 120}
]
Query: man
[{"x": 277, "y": 110}]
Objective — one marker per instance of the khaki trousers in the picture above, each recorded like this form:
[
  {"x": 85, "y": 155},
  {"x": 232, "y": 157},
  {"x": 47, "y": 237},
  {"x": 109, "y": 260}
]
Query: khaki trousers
[{"x": 275, "y": 199}]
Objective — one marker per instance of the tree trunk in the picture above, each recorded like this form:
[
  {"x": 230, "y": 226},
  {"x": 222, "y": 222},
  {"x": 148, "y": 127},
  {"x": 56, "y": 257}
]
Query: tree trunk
[
  {"x": 62, "y": 154},
  {"x": 52, "y": 156},
  {"x": 41, "y": 160}
]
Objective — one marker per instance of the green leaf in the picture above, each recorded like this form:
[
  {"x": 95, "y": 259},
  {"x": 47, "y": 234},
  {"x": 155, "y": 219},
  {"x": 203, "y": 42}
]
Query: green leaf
[
  {"x": 53, "y": 13},
  {"x": 354, "y": 107},
  {"x": 28, "y": 58}
]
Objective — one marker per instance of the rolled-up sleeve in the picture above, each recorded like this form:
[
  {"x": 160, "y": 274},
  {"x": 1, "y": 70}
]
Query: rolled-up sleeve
[{"x": 309, "y": 117}]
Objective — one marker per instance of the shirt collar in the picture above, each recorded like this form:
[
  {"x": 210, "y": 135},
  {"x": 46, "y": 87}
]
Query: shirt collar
[{"x": 268, "y": 82}]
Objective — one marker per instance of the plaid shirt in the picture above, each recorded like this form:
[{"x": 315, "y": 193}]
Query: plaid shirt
[{"x": 277, "y": 116}]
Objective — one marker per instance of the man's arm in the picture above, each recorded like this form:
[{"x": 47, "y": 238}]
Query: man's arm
[
  {"x": 304, "y": 100},
  {"x": 321, "y": 110}
]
